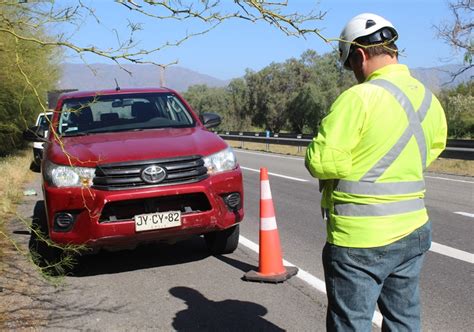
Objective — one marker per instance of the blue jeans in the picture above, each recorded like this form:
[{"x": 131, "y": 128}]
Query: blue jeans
[{"x": 358, "y": 279}]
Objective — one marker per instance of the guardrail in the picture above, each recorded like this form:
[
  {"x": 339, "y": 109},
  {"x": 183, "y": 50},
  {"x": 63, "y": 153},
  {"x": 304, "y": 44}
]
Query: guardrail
[{"x": 455, "y": 148}]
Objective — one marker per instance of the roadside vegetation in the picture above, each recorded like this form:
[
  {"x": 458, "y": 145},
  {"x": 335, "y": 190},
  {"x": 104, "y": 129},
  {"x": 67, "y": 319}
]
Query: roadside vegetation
[
  {"x": 458, "y": 104},
  {"x": 22, "y": 269},
  {"x": 27, "y": 72},
  {"x": 294, "y": 96},
  {"x": 11, "y": 186},
  {"x": 11, "y": 193}
]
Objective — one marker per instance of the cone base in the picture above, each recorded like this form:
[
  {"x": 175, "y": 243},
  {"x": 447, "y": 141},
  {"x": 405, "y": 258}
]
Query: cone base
[{"x": 276, "y": 278}]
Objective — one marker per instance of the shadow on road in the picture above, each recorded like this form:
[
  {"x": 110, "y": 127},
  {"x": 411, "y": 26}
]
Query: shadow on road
[
  {"x": 143, "y": 257},
  {"x": 104, "y": 262},
  {"x": 203, "y": 314},
  {"x": 240, "y": 265}
]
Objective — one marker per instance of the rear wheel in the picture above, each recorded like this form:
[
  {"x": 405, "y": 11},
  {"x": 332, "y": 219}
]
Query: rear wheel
[{"x": 223, "y": 242}]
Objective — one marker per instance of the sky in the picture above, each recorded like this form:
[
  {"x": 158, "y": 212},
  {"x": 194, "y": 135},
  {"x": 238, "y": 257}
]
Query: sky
[{"x": 234, "y": 46}]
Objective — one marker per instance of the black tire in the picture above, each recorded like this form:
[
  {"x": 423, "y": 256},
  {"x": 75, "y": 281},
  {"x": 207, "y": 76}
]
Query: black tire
[
  {"x": 43, "y": 254},
  {"x": 35, "y": 167},
  {"x": 223, "y": 242}
]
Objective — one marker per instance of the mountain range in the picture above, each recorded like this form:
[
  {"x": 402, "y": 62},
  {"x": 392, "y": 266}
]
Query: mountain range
[{"x": 104, "y": 76}]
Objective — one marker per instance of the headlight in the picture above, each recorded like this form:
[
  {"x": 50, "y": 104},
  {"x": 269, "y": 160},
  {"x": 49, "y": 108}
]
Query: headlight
[
  {"x": 67, "y": 176},
  {"x": 221, "y": 161}
]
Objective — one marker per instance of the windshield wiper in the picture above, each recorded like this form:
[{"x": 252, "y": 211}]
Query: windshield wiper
[
  {"x": 74, "y": 134},
  {"x": 171, "y": 126},
  {"x": 99, "y": 131}
]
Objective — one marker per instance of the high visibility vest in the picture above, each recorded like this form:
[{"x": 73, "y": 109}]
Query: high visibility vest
[
  {"x": 367, "y": 210},
  {"x": 367, "y": 184}
]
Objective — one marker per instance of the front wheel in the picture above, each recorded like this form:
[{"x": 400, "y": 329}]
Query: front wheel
[
  {"x": 45, "y": 254},
  {"x": 223, "y": 242}
]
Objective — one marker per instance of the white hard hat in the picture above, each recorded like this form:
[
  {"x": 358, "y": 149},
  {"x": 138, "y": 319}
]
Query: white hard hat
[{"x": 362, "y": 25}]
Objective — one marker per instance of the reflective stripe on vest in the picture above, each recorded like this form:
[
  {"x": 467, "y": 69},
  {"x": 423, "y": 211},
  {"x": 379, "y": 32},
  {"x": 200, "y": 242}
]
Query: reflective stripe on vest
[
  {"x": 367, "y": 185},
  {"x": 385, "y": 209},
  {"x": 414, "y": 128},
  {"x": 382, "y": 188}
]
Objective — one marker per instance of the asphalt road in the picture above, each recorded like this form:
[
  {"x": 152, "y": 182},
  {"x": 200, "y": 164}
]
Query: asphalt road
[
  {"x": 446, "y": 282},
  {"x": 180, "y": 287}
]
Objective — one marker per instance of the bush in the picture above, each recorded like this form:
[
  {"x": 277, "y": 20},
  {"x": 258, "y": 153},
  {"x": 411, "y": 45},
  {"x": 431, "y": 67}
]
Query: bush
[{"x": 27, "y": 71}]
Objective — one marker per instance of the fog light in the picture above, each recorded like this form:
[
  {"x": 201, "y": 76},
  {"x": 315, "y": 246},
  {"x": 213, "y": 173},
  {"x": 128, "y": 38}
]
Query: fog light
[
  {"x": 63, "y": 221},
  {"x": 233, "y": 201}
]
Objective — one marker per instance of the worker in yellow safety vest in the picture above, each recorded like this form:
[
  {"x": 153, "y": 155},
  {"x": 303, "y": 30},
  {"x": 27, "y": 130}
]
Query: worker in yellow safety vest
[{"x": 369, "y": 155}]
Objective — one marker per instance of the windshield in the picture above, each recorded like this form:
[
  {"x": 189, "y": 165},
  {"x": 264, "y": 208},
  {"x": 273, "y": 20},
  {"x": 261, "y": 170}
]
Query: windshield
[{"x": 123, "y": 113}]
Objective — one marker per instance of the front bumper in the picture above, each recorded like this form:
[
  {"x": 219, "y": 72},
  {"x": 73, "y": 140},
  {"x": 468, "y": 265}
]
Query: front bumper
[{"x": 103, "y": 219}]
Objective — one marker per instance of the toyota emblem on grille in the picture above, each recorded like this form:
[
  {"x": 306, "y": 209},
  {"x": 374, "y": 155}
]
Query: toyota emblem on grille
[{"x": 153, "y": 174}]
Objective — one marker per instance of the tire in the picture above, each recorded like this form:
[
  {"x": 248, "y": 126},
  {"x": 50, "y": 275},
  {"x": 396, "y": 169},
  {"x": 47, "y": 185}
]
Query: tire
[
  {"x": 223, "y": 242},
  {"x": 35, "y": 167},
  {"x": 42, "y": 253}
]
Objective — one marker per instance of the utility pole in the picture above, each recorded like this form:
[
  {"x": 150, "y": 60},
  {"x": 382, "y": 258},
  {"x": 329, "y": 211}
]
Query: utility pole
[{"x": 162, "y": 76}]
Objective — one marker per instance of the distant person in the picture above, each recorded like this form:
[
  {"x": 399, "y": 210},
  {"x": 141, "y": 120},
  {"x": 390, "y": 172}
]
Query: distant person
[{"x": 369, "y": 156}]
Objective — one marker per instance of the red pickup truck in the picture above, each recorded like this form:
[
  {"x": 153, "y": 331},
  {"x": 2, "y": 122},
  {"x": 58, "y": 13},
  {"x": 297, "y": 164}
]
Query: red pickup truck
[{"x": 131, "y": 166}]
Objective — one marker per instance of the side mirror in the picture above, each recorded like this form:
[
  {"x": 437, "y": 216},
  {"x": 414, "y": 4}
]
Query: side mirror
[
  {"x": 34, "y": 134},
  {"x": 210, "y": 120}
]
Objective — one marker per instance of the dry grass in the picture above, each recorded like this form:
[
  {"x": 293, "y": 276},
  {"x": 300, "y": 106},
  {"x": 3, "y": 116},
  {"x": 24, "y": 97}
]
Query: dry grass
[
  {"x": 24, "y": 286},
  {"x": 16, "y": 172},
  {"x": 441, "y": 165},
  {"x": 453, "y": 166}
]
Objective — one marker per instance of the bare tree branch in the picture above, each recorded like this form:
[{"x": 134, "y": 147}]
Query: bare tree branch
[
  {"x": 458, "y": 33},
  {"x": 210, "y": 13}
]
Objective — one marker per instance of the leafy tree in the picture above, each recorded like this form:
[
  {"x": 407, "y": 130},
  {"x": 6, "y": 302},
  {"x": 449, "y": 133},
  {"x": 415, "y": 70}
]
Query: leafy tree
[
  {"x": 326, "y": 81},
  {"x": 27, "y": 72},
  {"x": 268, "y": 98},
  {"x": 273, "y": 88},
  {"x": 305, "y": 108},
  {"x": 214, "y": 100},
  {"x": 239, "y": 115},
  {"x": 294, "y": 95},
  {"x": 458, "y": 104}
]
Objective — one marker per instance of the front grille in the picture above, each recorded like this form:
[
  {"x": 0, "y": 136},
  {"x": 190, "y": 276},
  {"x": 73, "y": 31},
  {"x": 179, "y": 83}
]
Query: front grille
[
  {"x": 127, "y": 175},
  {"x": 126, "y": 210}
]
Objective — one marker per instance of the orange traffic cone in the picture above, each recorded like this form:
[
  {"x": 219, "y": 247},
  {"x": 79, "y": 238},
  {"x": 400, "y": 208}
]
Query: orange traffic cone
[{"x": 271, "y": 267}]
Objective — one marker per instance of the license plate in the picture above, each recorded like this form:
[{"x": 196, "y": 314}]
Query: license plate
[{"x": 158, "y": 220}]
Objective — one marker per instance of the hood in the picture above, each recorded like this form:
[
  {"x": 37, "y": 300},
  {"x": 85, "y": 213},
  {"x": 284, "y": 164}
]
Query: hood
[{"x": 107, "y": 148}]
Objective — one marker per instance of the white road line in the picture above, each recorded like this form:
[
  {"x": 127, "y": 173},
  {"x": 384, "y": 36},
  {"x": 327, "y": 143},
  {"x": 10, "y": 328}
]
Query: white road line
[
  {"x": 470, "y": 215},
  {"x": 451, "y": 252},
  {"x": 268, "y": 155},
  {"x": 307, "y": 277},
  {"x": 301, "y": 158},
  {"x": 447, "y": 179},
  {"x": 275, "y": 174}
]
